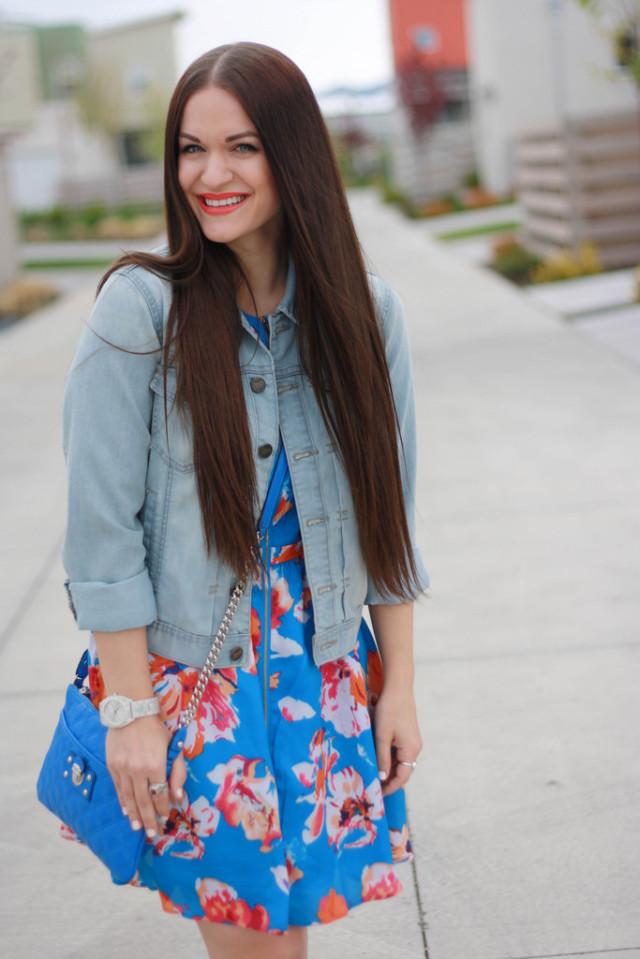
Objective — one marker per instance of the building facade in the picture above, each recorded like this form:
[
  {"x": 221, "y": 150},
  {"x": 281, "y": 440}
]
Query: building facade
[
  {"x": 536, "y": 63},
  {"x": 96, "y": 127},
  {"x": 433, "y": 149}
]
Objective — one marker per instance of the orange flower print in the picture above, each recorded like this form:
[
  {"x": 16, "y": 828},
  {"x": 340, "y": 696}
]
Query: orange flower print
[
  {"x": 351, "y": 809},
  {"x": 96, "y": 685},
  {"x": 217, "y": 717},
  {"x": 256, "y": 639},
  {"x": 301, "y": 610},
  {"x": 220, "y": 903},
  {"x": 332, "y": 907},
  {"x": 400, "y": 844},
  {"x": 284, "y": 505},
  {"x": 344, "y": 695},
  {"x": 274, "y": 680},
  {"x": 379, "y": 881},
  {"x": 293, "y": 872},
  {"x": 169, "y": 906},
  {"x": 186, "y": 828},
  {"x": 173, "y": 685},
  {"x": 247, "y": 799},
  {"x": 281, "y": 601},
  {"x": 375, "y": 676},
  {"x": 314, "y": 776},
  {"x": 284, "y": 554}
]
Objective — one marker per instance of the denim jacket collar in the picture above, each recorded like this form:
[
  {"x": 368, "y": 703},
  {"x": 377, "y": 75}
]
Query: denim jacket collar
[{"x": 288, "y": 302}]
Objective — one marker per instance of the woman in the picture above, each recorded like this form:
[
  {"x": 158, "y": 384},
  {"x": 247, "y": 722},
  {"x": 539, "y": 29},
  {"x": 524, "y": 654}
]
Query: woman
[{"x": 253, "y": 354}]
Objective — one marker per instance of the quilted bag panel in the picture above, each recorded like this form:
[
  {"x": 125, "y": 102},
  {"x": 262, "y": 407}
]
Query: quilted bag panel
[{"x": 75, "y": 784}]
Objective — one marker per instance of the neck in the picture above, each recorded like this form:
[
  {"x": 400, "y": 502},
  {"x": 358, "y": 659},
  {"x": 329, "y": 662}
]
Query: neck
[{"x": 265, "y": 272}]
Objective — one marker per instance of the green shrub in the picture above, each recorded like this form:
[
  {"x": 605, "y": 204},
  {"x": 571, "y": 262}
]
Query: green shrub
[
  {"x": 454, "y": 201},
  {"x": 567, "y": 266},
  {"x": 62, "y": 223},
  {"x": 471, "y": 181},
  {"x": 513, "y": 261},
  {"x": 91, "y": 214},
  {"x": 59, "y": 220}
]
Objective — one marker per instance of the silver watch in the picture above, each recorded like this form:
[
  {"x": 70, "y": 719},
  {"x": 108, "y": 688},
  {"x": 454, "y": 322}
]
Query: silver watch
[{"x": 117, "y": 711}]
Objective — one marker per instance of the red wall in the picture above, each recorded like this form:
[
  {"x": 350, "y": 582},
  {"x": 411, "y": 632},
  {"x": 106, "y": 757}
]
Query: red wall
[{"x": 432, "y": 29}]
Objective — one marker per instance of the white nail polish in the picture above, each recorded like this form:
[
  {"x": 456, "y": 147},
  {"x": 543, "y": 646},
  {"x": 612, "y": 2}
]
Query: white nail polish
[
  {"x": 150, "y": 833},
  {"x": 136, "y": 825},
  {"x": 382, "y": 774}
]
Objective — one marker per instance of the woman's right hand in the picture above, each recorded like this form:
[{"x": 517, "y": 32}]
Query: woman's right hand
[{"x": 136, "y": 757}]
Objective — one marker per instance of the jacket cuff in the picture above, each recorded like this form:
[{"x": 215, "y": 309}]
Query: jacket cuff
[
  {"x": 110, "y": 607},
  {"x": 376, "y": 598}
]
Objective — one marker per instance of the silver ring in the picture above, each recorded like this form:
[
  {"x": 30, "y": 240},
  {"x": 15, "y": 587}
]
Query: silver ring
[
  {"x": 157, "y": 789},
  {"x": 403, "y": 763}
]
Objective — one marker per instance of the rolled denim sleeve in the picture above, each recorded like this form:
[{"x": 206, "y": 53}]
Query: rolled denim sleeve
[
  {"x": 398, "y": 352},
  {"x": 107, "y": 433}
]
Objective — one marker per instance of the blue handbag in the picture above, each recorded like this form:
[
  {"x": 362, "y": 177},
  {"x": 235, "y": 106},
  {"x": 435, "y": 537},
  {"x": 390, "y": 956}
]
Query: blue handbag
[{"x": 75, "y": 784}]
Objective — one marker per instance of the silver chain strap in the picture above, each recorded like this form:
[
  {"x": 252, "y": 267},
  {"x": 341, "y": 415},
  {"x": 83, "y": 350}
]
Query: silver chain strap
[{"x": 189, "y": 714}]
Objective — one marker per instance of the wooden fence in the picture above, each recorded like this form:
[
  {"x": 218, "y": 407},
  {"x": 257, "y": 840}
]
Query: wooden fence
[
  {"x": 129, "y": 185},
  {"x": 582, "y": 183},
  {"x": 437, "y": 165}
]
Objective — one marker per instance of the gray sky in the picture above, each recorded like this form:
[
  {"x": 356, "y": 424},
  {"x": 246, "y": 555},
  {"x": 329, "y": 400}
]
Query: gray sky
[{"x": 334, "y": 41}]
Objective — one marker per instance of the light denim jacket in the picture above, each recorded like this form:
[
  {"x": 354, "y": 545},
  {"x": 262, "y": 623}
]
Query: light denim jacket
[{"x": 134, "y": 549}]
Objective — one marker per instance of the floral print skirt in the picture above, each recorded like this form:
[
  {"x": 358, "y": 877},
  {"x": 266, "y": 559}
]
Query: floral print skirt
[{"x": 283, "y": 820}]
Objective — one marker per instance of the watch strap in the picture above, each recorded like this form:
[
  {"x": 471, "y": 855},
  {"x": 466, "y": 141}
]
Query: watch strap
[{"x": 144, "y": 707}]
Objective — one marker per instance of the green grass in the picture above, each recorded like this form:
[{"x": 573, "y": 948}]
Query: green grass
[
  {"x": 486, "y": 230},
  {"x": 67, "y": 264}
]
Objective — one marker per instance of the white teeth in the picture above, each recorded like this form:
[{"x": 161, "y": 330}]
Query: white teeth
[{"x": 230, "y": 201}]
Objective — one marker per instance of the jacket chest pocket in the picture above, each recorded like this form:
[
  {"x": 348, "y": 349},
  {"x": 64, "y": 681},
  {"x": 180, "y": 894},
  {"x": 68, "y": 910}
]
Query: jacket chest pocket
[{"x": 171, "y": 429}]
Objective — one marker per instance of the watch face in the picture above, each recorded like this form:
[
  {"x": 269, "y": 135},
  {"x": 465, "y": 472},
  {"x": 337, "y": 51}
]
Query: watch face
[{"x": 116, "y": 712}]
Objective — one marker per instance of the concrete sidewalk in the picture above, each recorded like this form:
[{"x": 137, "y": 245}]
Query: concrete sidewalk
[{"x": 525, "y": 807}]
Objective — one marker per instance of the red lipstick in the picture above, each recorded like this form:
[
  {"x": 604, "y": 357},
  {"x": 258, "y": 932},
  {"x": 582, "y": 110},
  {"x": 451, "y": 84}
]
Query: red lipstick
[{"x": 219, "y": 204}]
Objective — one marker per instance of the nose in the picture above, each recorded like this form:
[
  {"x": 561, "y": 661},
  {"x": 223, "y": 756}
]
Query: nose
[{"x": 217, "y": 172}]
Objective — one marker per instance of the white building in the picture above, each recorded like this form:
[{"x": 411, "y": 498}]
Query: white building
[{"x": 535, "y": 63}]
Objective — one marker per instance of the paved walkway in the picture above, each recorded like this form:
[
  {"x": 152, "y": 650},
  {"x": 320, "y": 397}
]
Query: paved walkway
[
  {"x": 525, "y": 808},
  {"x": 601, "y": 306}
]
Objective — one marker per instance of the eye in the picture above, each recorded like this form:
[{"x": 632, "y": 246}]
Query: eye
[
  {"x": 190, "y": 148},
  {"x": 246, "y": 148}
]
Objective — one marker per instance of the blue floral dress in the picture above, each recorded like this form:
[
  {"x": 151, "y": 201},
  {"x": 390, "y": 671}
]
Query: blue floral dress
[{"x": 283, "y": 820}]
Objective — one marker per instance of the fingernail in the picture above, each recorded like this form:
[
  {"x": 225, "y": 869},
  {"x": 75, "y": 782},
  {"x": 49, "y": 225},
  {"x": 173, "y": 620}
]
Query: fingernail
[
  {"x": 124, "y": 811},
  {"x": 150, "y": 833},
  {"x": 179, "y": 793},
  {"x": 136, "y": 825},
  {"x": 382, "y": 774}
]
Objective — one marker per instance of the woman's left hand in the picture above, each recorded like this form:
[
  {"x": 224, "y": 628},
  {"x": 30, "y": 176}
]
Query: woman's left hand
[{"x": 397, "y": 737}]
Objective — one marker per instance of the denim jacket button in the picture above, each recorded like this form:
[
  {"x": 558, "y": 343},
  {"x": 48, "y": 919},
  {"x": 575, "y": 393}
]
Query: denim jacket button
[
  {"x": 265, "y": 451},
  {"x": 258, "y": 385},
  {"x": 235, "y": 654}
]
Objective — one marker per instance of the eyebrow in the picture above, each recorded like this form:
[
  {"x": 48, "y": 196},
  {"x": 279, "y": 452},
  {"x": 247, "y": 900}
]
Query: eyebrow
[
  {"x": 240, "y": 136},
  {"x": 234, "y": 136}
]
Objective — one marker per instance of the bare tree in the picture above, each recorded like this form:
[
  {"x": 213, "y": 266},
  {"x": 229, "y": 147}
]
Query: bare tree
[
  {"x": 620, "y": 19},
  {"x": 422, "y": 94}
]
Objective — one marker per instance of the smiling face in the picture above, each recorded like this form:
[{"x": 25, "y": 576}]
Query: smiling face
[{"x": 224, "y": 173}]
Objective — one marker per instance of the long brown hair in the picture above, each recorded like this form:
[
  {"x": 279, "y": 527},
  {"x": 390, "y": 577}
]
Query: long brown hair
[{"x": 340, "y": 343}]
